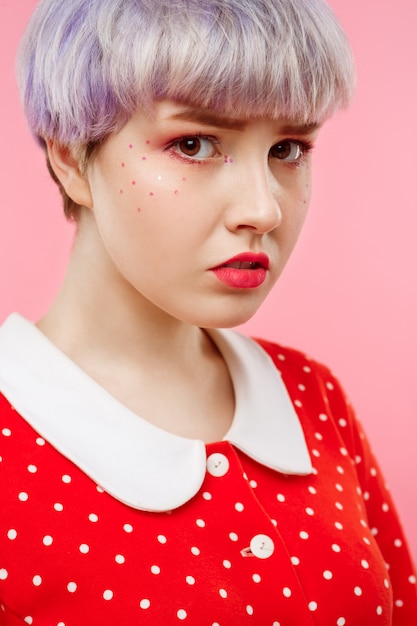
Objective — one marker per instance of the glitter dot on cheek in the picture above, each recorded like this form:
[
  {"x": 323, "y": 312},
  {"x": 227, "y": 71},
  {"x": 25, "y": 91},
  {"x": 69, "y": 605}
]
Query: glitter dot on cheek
[
  {"x": 123, "y": 164},
  {"x": 151, "y": 193},
  {"x": 148, "y": 142},
  {"x": 133, "y": 182},
  {"x": 143, "y": 158},
  {"x": 130, "y": 146}
]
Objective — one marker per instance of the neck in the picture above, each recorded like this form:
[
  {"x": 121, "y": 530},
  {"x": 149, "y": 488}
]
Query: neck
[{"x": 98, "y": 312}]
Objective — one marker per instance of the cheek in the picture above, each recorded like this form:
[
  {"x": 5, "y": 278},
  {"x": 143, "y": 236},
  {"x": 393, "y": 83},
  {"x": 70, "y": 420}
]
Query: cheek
[{"x": 142, "y": 185}]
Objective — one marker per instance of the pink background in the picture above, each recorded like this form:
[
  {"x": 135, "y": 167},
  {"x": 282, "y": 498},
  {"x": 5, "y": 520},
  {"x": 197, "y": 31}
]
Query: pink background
[{"x": 349, "y": 295}]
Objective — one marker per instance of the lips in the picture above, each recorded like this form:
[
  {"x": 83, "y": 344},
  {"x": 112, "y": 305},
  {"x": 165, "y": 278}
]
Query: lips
[{"x": 247, "y": 270}]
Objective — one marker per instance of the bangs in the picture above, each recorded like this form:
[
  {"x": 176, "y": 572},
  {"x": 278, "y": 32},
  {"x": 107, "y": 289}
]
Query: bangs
[{"x": 86, "y": 67}]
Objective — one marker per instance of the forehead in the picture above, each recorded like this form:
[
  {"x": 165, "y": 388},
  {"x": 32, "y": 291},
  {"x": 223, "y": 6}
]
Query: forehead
[{"x": 172, "y": 111}]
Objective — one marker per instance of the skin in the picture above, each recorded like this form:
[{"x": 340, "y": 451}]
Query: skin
[{"x": 165, "y": 200}]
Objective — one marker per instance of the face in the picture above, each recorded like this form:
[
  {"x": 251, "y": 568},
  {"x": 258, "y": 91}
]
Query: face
[{"x": 197, "y": 214}]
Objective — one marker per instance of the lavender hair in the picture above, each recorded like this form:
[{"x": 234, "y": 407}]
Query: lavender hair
[{"x": 85, "y": 66}]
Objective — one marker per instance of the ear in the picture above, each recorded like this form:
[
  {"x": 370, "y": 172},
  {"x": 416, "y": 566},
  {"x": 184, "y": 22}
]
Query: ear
[{"x": 68, "y": 172}]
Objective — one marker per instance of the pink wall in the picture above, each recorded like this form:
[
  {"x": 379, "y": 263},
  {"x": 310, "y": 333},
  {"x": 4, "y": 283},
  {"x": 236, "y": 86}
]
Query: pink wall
[{"x": 349, "y": 295}]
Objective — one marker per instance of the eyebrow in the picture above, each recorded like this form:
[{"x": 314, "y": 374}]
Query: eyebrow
[{"x": 209, "y": 118}]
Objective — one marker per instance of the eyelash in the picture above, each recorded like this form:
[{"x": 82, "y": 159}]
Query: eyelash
[{"x": 305, "y": 147}]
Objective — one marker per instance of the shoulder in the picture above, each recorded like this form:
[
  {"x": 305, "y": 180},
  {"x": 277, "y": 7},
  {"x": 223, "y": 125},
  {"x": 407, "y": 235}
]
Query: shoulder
[{"x": 316, "y": 393}]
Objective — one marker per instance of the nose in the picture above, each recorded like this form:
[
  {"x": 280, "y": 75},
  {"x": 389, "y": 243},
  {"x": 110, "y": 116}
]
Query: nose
[{"x": 255, "y": 201}]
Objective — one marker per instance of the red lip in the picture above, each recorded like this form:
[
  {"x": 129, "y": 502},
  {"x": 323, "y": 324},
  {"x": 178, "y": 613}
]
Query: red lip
[{"x": 244, "y": 271}]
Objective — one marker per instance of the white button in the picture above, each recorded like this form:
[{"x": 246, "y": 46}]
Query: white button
[
  {"x": 262, "y": 546},
  {"x": 217, "y": 464}
]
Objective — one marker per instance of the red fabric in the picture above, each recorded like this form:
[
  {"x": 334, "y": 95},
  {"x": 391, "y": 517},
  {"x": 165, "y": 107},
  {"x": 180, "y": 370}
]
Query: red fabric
[{"x": 72, "y": 555}]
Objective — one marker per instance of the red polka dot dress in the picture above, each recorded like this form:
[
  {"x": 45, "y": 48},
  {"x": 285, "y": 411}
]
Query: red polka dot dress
[{"x": 106, "y": 519}]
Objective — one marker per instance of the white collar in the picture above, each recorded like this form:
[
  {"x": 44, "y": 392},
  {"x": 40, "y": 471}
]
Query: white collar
[{"x": 134, "y": 461}]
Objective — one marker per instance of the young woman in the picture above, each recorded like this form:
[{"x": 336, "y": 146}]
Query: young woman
[{"x": 155, "y": 469}]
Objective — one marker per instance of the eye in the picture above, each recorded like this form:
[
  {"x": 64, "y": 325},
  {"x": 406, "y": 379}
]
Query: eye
[
  {"x": 290, "y": 151},
  {"x": 195, "y": 147}
]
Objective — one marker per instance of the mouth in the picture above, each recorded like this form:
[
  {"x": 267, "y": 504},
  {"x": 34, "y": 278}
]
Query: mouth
[{"x": 244, "y": 271}]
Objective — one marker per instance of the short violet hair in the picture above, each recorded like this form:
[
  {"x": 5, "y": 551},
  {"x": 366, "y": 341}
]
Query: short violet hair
[{"x": 85, "y": 66}]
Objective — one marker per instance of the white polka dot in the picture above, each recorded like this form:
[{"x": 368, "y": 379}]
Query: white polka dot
[
  {"x": 309, "y": 511},
  {"x": 181, "y": 614},
  {"x": 47, "y": 540},
  {"x": 398, "y": 543},
  {"x": 32, "y": 469},
  {"x": 233, "y": 536},
  {"x": 412, "y": 579},
  {"x": 339, "y": 506},
  {"x": 37, "y": 580},
  {"x": 312, "y": 606},
  {"x": 287, "y": 592},
  {"x": 223, "y": 593},
  {"x": 281, "y": 357},
  {"x": 280, "y": 497},
  {"x": 307, "y": 369},
  {"x": 379, "y": 610},
  {"x": 367, "y": 541},
  {"x": 340, "y": 469},
  {"x": 195, "y": 551},
  {"x": 6, "y": 432},
  {"x": 145, "y": 603},
  {"x": 190, "y": 580},
  {"x": 72, "y": 587},
  {"x": 108, "y": 594},
  {"x": 84, "y": 548},
  {"x": 12, "y": 534},
  {"x": 217, "y": 465},
  {"x": 298, "y": 403},
  {"x": 99, "y": 489},
  {"x": 336, "y": 548},
  {"x": 66, "y": 478},
  {"x": 249, "y": 609},
  {"x": 315, "y": 453},
  {"x": 227, "y": 564},
  {"x": 358, "y": 459},
  {"x": 28, "y": 619},
  {"x": 162, "y": 539},
  {"x": 207, "y": 495},
  {"x": 200, "y": 523},
  {"x": 156, "y": 570},
  {"x": 327, "y": 575},
  {"x": 128, "y": 528},
  {"x": 3, "y": 574},
  {"x": 357, "y": 591},
  {"x": 295, "y": 560},
  {"x": 365, "y": 564},
  {"x": 40, "y": 441},
  {"x": 386, "y": 583},
  {"x": 304, "y": 534},
  {"x": 341, "y": 621},
  {"x": 239, "y": 507},
  {"x": 339, "y": 487},
  {"x": 256, "y": 578},
  {"x": 301, "y": 387},
  {"x": 23, "y": 496},
  {"x": 60, "y": 624},
  {"x": 373, "y": 472},
  {"x": 399, "y": 603},
  {"x": 120, "y": 559},
  {"x": 58, "y": 506},
  {"x": 93, "y": 517}
]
